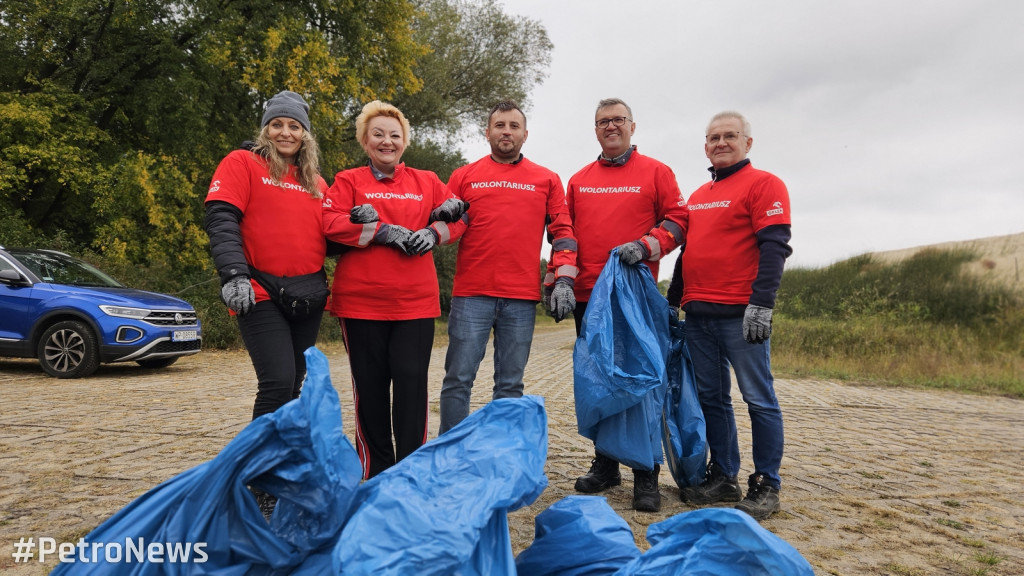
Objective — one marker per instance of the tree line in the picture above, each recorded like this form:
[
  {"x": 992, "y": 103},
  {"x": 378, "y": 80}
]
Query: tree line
[{"x": 114, "y": 114}]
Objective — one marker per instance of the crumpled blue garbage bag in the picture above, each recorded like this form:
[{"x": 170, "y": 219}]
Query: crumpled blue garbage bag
[
  {"x": 298, "y": 453},
  {"x": 715, "y": 542},
  {"x": 685, "y": 433},
  {"x": 577, "y": 536},
  {"x": 443, "y": 509},
  {"x": 619, "y": 371}
]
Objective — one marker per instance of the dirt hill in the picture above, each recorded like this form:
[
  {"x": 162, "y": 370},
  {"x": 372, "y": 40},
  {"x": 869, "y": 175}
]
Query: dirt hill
[{"x": 1000, "y": 258}]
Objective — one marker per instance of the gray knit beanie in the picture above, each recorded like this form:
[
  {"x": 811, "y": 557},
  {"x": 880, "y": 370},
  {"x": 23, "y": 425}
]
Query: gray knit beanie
[{"x": 287, "y": 104}]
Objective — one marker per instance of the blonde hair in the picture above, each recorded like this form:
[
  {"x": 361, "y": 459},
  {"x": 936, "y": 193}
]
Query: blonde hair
[
  {"x": 307, "y": 161},
  {"x": 377, "y": 108}
]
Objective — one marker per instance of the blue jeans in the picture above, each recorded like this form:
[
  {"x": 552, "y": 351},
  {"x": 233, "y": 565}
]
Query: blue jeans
[
  {"x": 469, "y": 326},
  {"x": 716, "y": 343}
]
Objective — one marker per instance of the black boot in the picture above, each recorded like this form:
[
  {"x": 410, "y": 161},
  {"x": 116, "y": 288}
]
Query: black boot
[
  {"x": 762, "y": 499},
  {"x": 267, "y": 502},
  {"x": 717, "y": 487},
  {"x": 604, "y": 473},
  {"x": 646, "y": 496}
]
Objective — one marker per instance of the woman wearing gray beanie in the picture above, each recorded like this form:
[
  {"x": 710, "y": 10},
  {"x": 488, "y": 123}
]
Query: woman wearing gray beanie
[{"x": 264, "y": 217}]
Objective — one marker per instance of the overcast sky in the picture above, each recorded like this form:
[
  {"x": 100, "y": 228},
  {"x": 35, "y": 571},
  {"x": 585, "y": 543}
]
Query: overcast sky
[{"x": 894, "y": 124}]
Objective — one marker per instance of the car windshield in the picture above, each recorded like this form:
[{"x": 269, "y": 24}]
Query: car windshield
[{"x": 62, "y": 269}]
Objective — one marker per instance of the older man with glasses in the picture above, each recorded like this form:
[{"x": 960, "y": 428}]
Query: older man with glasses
[
  {"x": 626, "y": 200},
  {"x": 726, "y": 279}
]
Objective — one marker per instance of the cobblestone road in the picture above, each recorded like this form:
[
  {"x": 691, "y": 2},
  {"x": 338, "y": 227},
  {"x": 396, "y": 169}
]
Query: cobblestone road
[{"x": 876, "y": 480}]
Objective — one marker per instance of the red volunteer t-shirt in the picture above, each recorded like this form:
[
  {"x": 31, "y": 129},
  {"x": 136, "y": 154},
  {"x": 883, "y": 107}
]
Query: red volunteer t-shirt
[
  {"x": 499, "y": 253},
  {"x": 282, "y": 225},
  {"x": 612, "y": 205},
  {"x": 721, "y": 256},
  {"x": 375, "y": 281}
]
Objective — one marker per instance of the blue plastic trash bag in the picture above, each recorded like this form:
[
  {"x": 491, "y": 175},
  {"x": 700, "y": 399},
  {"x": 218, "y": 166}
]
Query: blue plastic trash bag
[
  {"x": 715, "y": 542},
  {"x": 299, "y": 453},
  {"x": 684, "y": 434},
  {"x": 576, "y": 536},
  {"x": 619, "y": 372},
  {"x": 443, "y": 509}
]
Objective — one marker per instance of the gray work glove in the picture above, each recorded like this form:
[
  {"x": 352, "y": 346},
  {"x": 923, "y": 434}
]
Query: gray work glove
[
  {"x": 393, "y": 235},
  {"x": 757, "y": 323},
  {"x": 363, "y": 214},
  {"x": 421, "y": 241},
  {"x": 563, "y": 299},
  {"x": 450, "y": 210},
  {"x": 238, "y": 295},
  {"x": 632, "y": 252}
]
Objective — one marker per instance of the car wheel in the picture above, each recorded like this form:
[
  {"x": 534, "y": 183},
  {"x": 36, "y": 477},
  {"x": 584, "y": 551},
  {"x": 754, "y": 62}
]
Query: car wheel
[
  {"x": 157, "y": 362},
  {"x": 68, "y": 349}
]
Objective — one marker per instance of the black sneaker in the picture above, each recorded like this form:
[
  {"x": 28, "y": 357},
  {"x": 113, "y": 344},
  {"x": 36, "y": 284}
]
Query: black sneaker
[
  {"x": 717, "y": 487},
  {"x": 646, "y": 497},
  {"x": 762, "y": 499},
  {"x": 604, "y": 473}
]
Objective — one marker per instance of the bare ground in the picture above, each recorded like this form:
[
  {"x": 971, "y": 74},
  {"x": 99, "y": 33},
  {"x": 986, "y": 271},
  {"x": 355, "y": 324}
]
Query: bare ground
[{"x": 876, "y": 480}]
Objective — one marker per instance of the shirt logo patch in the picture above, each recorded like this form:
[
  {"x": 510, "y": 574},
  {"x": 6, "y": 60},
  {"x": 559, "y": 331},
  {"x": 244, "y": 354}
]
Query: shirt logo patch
[
  {"x": 776, "y": 210},
  {"x": 610, "y": 189},
  {"x": 711, "y": 205},
  {"x": 503, "y": 184}
]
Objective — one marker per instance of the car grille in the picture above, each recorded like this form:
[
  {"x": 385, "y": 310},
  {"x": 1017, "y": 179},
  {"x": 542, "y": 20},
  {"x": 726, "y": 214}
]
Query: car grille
[
  {"x": 168, "y": 346},
  {"x": 164, "y": 318}
]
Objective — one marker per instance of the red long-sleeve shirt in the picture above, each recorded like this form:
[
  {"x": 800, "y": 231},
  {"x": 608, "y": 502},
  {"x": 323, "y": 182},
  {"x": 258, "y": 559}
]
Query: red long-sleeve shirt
[
  {"x": 509, "y": 206},
  {"x": 375, "y": 281}
]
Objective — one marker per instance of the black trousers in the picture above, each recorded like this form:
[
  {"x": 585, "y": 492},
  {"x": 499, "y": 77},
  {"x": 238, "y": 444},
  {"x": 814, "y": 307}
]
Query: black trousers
[
  {"x": 276, "y": 345},
  {"x": 389, "y": 361},
  {"x": 577, "y": 316}
]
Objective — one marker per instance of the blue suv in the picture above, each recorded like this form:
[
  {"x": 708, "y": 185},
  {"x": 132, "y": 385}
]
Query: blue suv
[{"x": 72, "y": 317}]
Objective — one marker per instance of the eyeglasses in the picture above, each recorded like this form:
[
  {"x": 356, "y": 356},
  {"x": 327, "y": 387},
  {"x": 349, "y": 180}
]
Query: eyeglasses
[
  {"x": 729, "y": 137},
  {"x": 618, "y": 121}
]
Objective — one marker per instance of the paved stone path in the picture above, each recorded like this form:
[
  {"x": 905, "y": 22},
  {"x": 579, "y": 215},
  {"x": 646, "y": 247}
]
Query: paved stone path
[{"x": 876, "y": 480}]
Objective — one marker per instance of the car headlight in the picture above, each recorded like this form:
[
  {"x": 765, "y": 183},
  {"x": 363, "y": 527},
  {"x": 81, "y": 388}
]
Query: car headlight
[{"x": 123, "y": 312}]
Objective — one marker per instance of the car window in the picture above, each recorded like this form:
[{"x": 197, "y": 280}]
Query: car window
[
  {"x": 5, "y": 265},
  {"x": 61, "y": 269}
]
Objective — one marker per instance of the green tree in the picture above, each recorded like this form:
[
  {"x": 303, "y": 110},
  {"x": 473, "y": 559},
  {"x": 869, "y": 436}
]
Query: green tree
[
  {"x": 93, "y": 94},
  {"x": 478, "y": 56}
]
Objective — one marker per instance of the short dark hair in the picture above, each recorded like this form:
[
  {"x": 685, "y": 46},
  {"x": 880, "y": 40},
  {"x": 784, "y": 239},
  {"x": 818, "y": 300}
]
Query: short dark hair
[
  {"x": 609, "y": 102},
  {"x": 506, "y": 106}
]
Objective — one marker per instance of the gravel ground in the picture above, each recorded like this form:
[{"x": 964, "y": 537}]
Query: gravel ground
[{"x": 875, "y": 480}]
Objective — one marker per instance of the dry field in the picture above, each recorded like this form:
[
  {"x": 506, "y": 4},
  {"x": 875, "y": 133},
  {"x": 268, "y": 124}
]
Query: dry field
[
  {"x": 876, "y": 481},
  {"x": 1000, "y": 258}
]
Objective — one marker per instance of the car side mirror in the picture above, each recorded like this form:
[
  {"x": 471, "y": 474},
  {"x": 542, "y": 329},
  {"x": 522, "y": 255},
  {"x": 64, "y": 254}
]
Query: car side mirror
[{"x": 13, "y": 277}]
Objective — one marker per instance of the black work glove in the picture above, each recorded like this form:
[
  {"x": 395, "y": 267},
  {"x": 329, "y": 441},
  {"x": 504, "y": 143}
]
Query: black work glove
[
  {"x": 563, "y": 299},
  {"x": 449, "y": 211},
  {"x": 757, "y": 323},
  {"x": 393, "y": 235},
  {"x": 238, "y": 295},
  {"x": 632, "y": 252},
  {"x": 421, "y": 241},
  {"x": 363, "y": 214}
]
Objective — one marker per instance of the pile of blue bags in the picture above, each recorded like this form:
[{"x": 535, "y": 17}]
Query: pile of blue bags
[{"x": 444, "y": 509}]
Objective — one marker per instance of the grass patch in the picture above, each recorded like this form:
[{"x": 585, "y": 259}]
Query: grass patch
[
  {"x": 923, "y": 322},
  {"x": 951, "y": 523},
  {"x": 901, "y": 570},
  {"x": 987, "y": 558}
]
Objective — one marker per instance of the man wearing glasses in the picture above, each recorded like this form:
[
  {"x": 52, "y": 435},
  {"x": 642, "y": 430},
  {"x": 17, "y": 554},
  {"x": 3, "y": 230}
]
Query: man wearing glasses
[
  {"x": 726, "y": 278},
  {"x": 626, "y": 200}
]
